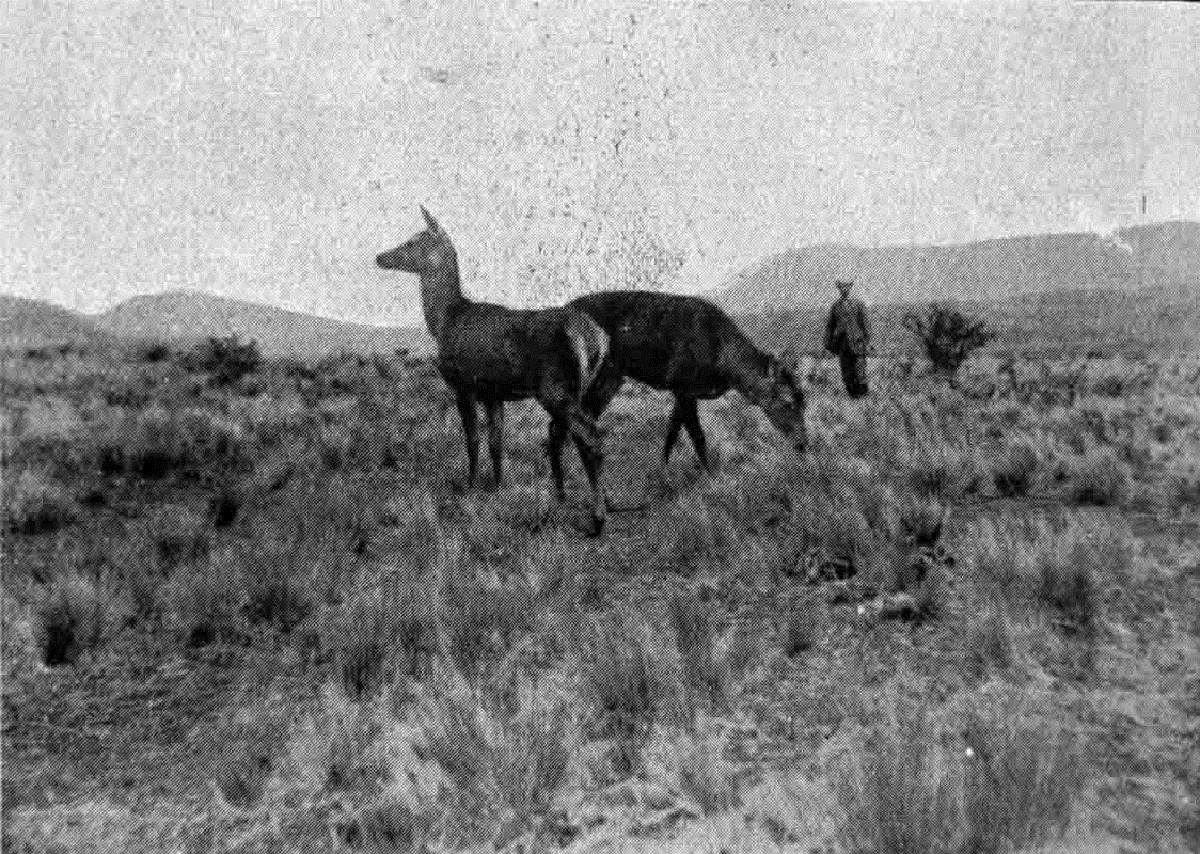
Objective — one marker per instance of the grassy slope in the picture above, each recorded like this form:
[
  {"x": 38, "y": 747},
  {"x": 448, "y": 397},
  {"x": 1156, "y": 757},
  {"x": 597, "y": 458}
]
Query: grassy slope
[{"x": 250, "y": 582}]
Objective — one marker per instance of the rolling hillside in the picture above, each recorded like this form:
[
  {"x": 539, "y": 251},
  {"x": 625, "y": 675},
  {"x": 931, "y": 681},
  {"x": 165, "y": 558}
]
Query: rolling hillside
[
  {"x": 1164, "y": 256},
  {"x": 195, "y": 314},
  {"x": 36, "y": 323}
]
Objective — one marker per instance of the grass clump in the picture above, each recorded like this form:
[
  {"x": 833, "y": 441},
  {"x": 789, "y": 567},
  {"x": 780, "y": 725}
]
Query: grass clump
[
  {"x": 191, "y": 443},
  {"x": 277, "y": 592},
  {"x": 630, "y": 676},
  {"x": 503, "y": 762},
  {"x": 990, "y": 772},
  {"x": 36, "y": 504},
  {"x": 226, "y": 359},
  {"x": 382, "y": 630},
  {"x": 805, "y": 623},
  {"x": 206, "y": 606},
  {"x": 1059, "y": 568},
  {"x": 73, "y": 615},
  {"x": 1015, "y": 470},
  {"x": 989, "y": 646},
  {"x": 1099, "y": 478},
  {"x": 694, "y": 621}
]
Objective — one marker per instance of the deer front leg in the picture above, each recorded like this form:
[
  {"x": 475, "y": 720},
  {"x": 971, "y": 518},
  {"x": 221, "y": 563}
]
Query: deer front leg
[
  {"x": 558, "y": 436},
  {"x": 466, "y": 410},
  {"x": 691, "y": 420},
  {"x": 494, "y": 411}
]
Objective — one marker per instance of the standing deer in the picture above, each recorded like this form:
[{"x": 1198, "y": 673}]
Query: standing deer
[
  {"x": 689, "y": 347},
  {"x": 491, "y": 354}
]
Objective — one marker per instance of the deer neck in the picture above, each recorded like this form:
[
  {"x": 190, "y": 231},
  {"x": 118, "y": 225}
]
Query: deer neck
[
  {"x": 441, "y": 292},
  {"x": 747, "y": 368}
]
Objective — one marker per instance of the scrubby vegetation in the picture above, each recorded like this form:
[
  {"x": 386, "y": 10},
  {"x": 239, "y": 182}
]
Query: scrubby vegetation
[
  {"x": 245, "y": 609},
  {"x": 948, "y": 336}
]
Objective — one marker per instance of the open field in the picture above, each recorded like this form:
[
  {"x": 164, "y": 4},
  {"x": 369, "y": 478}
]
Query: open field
[{"x": 246, "y": 608}]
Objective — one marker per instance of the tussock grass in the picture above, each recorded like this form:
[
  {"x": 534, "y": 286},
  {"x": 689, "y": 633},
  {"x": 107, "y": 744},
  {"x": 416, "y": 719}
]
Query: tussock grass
[
  {"x": 278, "y": 589},
  {"x": 549, "y": 565},
  {"x": 176, "y": 533},
  {"x": 696, "y": 764},
  {"x": 631, "y": 675},
  {"x": 694, "y": 620},
  {"x": 477, "y": 621},
  {"x": 206, "y": 606},
  {"x": 504, "y": 765},
  {"x": 805, "y": 622},
  {"x": 73, "y": 615},
  {"x": 386, "y": 628},
  {"x": 1099, "y": 478},
  {"x": 989, "y": 646},
  {"x": 37, "y": 504},
  {"x": 160, "y": 442},
  {"x": 698, "y": 536},
  {"x": 1058, "y": 569},
  {"x": 986, "y": 774},
  {"x": 1015, "y": 469}
]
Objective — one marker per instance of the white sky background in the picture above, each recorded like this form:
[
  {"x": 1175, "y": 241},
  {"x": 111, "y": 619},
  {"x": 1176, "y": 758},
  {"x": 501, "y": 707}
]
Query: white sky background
[{"x": 270, "y": 151}]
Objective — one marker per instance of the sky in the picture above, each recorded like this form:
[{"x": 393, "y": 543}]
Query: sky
[{"x": 269, "y": 150}]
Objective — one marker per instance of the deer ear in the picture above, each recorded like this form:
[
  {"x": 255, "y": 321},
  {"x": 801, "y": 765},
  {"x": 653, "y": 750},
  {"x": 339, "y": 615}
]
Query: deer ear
[{"x": 429, "y": 220}]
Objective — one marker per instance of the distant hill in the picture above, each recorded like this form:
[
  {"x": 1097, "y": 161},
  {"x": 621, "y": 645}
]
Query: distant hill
[
  {"x": 36, "y": 323},
  {"x": 196, "y": 314},
  {"x": 1164, "y": 256},
  {"x": 1072, "y": 321}
]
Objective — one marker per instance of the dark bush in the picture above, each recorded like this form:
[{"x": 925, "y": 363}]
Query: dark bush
[
  {"x": 948, "y": 336},
  {"x": 226, "y": 359}
]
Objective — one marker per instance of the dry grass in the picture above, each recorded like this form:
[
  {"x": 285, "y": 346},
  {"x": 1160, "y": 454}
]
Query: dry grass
[
  {"x": 440, "y": 669},
  {"x": 36, "y": 504},
  {"x": 987, "y": 774}
]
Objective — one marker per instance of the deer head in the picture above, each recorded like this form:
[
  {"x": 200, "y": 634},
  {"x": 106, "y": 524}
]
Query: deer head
[
  {"x": 782, "y": 400},
  {"x": 425, "y": 252}
]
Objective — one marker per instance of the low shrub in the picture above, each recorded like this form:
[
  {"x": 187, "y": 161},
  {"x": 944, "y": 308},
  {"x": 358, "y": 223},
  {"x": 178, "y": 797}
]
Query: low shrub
[{"x": 226, "y": 359}]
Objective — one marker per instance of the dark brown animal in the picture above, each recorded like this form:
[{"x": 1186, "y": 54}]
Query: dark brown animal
[
  {"x": 689, "y": 347},
  {"x": 491, "y": 354}
]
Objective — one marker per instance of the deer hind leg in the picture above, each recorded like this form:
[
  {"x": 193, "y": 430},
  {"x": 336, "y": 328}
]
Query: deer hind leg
[
  {"x": 567, "y": 417},
  {"x": 686, "y": 407},
  {"x": 466, "y": 410},
  {"x": 494, "y": 411},
  {"x": 558, "y": 437},
  {"x": 593, "y": 463}
]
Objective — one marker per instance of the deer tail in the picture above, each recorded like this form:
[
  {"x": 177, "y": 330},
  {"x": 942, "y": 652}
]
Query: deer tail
[{"x": 591, "y": 345}]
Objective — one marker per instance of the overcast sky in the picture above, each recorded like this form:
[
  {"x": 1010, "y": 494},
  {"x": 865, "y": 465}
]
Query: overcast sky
[{"x": 269, "y": 151}]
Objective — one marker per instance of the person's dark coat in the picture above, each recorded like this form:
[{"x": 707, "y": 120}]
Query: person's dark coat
[{"x": 848, "y": 330}]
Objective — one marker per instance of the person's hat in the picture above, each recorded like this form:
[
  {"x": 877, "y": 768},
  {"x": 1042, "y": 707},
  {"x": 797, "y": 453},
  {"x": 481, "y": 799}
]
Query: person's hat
[{"x": 844, "y": 283}]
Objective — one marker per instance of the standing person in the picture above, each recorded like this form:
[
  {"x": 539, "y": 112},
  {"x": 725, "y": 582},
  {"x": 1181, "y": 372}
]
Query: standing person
[{"x": 848, "y": 334}]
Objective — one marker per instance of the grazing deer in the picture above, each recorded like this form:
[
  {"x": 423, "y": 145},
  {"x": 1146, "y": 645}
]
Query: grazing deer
[
  {"x": 689, "y": 347},
  {"x": 491, "y": 354}
]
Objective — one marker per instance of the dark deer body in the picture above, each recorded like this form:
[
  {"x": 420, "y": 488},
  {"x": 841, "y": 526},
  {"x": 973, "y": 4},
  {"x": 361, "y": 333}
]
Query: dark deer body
[
  {"x": 689, "y": 347},
  {"x": 491, "y": 354}
]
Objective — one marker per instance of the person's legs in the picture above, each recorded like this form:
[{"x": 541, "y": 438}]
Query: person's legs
[
  {"x": 860, "y": 376},
  {"x": 846, "y": 358}
]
